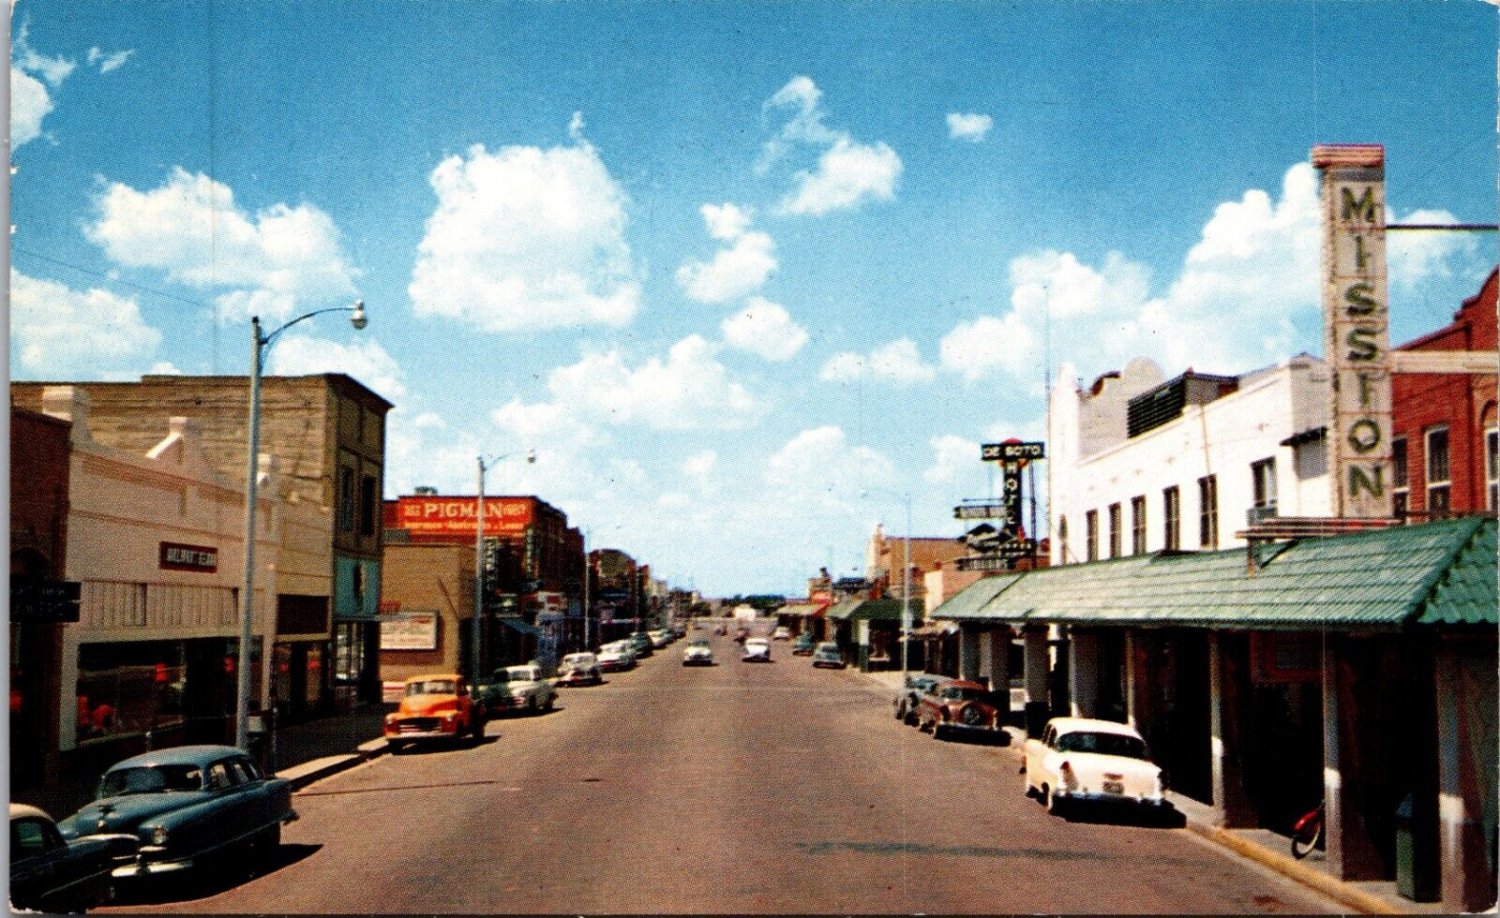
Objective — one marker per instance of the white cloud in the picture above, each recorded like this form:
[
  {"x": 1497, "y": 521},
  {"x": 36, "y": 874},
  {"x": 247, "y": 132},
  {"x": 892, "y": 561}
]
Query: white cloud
[
  {"x": 29, "y": 104},
  {"x": 62, "y": 333},
  {"x": 764, "y": 328},
  {"x": 1415, "y": 258},
  {"x": 818, "y": 470},
  {"x": 897, "y": 361},
  {"x": 970, "y": 127},
  {"x": 526, "y": 238},
  {"x": 953, "y": 458},
  {"x": 363, "y": 359},
  {"x": 847, "y": 172},
  {"x": 700, "y": 465},
  {"x": 690, "y": 390},
  {"x": 107, "y": 61},
  {"x": 736, "y": 270},
  {"x": 52, "y": 69},
  {"x": 273, "y": 263}
]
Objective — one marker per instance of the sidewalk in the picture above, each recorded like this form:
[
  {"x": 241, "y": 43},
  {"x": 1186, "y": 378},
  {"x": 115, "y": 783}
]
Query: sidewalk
[{"x": 1260, "y": 845}]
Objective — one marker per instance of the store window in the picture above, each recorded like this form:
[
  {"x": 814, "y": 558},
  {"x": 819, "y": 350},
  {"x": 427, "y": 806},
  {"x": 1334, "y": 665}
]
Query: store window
[
  {"x": 1208, "y": 512},
  {"x": 349, "y": 653},
  {"x": 1114, "y": 530},
  {"x": 1439, "y": 493},
  {"x": 1400, "y": 480},
  {"x": 1091, "y": 535},
  {"x": 1171, "y": 508},
  {"x": 1138, "y": 525}
]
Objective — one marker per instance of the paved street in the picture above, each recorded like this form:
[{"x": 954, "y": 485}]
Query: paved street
[{"x": 737, "y": 788}]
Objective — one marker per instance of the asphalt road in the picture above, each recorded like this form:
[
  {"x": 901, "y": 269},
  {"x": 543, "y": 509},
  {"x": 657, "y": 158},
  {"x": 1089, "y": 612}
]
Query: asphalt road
[{"x": 740, "y": 788}]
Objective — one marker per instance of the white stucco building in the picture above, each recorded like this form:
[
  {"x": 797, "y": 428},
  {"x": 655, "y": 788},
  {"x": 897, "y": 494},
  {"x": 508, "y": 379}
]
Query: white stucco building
[{"x": 1141, "y": 464}]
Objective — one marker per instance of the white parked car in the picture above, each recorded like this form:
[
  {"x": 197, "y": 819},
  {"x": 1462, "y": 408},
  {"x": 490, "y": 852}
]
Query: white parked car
[
  {"x": 1081, "y": 760},
  {"x": 698, "y": 653},
  {"x": 659, "y": 637},
  {"x": 616, "y": 656},
  {"x": 579, "y": 669},
  {"x": 527, "y": 689},
  {"x": 782, "y": 633},
  {"x": 757, "y": 650}
]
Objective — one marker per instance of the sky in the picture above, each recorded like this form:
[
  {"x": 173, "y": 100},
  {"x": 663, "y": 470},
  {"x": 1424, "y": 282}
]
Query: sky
[{"x": 746, "y": 278}]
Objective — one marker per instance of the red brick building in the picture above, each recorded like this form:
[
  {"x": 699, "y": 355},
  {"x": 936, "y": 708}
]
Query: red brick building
[{"x": 1443, "y": 424}]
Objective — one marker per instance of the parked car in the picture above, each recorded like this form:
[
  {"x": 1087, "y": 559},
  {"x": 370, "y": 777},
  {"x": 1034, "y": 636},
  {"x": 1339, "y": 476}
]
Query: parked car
[
  {"x": 958, "y": 706},
  {"x": 803, "y": 645},
  {"x": 579, "y": 669},
  {"x": 519, "y": 688},
  {"x": 698, "y": 652},
  {"x": 616, "y": 656},
  {"x": 827, "y": 655},
  {"x": 905, "y": 702},
  {"x": 782, "y": 633},
  {"x": 1082, "y": 760},
  {"x": 185, "y": 804},
  {"x": 757, "y": 650},
  {"x": 437, "y": 706},
  {"x": 660, "y": 638},
  {"x": 49, "y": 873},
  {"x": 641, "y": 643}
]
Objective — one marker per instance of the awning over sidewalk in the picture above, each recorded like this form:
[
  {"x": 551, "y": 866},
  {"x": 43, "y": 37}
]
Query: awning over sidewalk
[
  {"x": 803, "y": 609},
  {"x": 1434, "y": 573}
]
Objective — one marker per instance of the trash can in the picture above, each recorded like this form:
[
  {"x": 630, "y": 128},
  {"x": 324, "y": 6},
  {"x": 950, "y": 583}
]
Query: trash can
[{"x": 1417, "y": 876}]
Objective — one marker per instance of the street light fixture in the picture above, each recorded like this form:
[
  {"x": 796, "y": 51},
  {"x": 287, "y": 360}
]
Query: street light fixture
[
  {"x": 476, "y": 634},
  {"x": 259, "y": 343}
]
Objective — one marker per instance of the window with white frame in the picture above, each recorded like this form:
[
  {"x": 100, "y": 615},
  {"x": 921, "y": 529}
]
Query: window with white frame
[
  {"x": 1114, "y": 530},
  {"x": 1138, "y": 525},
  {"x": 1208, "y": 512},
  {"x": 1171, "y": 509},
  {"x": 1439, "y": 484},
  {"x": 1091, "y": 535},
  {"x": 1263, "y": 483}
]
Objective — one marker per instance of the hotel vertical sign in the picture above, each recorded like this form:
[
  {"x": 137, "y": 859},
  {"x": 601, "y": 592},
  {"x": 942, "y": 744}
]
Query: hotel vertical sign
[{"x": 1357, "y": 327}]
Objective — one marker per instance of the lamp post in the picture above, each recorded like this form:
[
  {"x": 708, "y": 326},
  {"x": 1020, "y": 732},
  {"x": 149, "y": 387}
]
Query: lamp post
[
  {"x": 476, "y": 634},
  {"x": 259, "y": 343}
]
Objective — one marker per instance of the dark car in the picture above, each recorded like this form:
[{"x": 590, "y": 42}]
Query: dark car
[
  {"x": 642, "y": 644},
  {"x": 960, "y": 707},
  {"x": 186, "y": 804},
  {"x": 827, "y": 655},
  {"x": 48, "y": 873}
]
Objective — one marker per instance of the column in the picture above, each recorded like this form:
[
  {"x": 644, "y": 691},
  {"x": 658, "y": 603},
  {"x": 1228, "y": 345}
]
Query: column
[
  {"x": 968, "y": 654},
  {"x": 1083, "y": 672},
  {"x": 1227, "y": 658},
  {"x": 1036, "y": 679},
  {"x": 1351, "y": 855},
  {"x": 997, "y": 643},
  {"x": 1466, "y": 687}
]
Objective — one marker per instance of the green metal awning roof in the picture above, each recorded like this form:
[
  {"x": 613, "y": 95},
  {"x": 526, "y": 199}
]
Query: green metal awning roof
[
  {"x": 841, "y": 610},
  {"x": 880, "y": 610},
  {"x": 802, "y": 609},
  {"x": 1435, "y": 573}
]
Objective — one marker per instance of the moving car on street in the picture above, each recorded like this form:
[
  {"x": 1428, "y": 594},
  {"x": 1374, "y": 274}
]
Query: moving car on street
[
  {"x": 435, "y": 707},
  {"x": 579, "y": 669},
  {"x": 185, "y": 804},
  {"x": 1082, "y": 760},
  {"x": 958, "y": 706},
  {"x": 826, "y": 655},
  {"x": 757, "y": 650},
  {"x": 49, "y": 873},
  {"x": 803, "y": 645},
  {"x": 698, "y": 652}
]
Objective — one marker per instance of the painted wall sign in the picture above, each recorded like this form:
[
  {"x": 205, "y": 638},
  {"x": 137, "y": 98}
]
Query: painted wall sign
[
  {"x": 409, "y": 631},
  {"x": 455, "y": 516},
  {"x": 201, "y": 559},
  {"x": 1356, "y": 320}
]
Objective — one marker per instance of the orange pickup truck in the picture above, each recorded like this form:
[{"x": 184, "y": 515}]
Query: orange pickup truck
[{"x": 433, "y": 707}]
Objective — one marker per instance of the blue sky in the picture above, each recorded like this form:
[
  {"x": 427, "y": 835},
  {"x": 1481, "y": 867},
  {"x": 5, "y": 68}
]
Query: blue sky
[{"x": 744, "y": 275}]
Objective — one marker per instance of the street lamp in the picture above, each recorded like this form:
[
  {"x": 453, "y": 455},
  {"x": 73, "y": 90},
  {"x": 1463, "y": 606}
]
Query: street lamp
[
  {"x": 476, "y": 634},
  {"x": 905, "y": 583},
  {"x": 259, "y": 343}
]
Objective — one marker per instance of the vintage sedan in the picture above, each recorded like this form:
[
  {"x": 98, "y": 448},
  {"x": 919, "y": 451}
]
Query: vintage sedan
[
  {"x": 698, "y": 652},
  {"x": 803, "y": 645},
  {"x": 186, "y": 804},
  {"x": 957, "y": 706},
  {"x": 1080, "y": 760},
  {"x": 579, "y": 669},
  {"x": 616, "y": 656},
  {"x": 49, "y": 873},
  {"x": 520, "y": 688},
  {"x": 827, "y": 655},
  {"x": 905, "y": 702},
  {"x": 438, "y": 706},
  {"x": 757, "y": 650}
]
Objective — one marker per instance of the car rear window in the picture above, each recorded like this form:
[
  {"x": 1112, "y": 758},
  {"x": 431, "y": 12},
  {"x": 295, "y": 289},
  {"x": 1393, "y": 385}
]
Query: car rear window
[{"x": 1103, "y": 743}]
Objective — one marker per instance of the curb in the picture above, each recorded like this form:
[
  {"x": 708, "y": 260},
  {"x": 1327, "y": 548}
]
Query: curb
[
  {"x": 1307, "y": 876},
  {"x": 316, "y": 770}
]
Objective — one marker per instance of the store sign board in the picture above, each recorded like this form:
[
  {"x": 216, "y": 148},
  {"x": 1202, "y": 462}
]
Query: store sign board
[
  {"x": 454, "y": 517},
  {"x": 1356, "y": 320},
  {"x": 201, "y": 559},
  {"x": 409, "y": 631}
]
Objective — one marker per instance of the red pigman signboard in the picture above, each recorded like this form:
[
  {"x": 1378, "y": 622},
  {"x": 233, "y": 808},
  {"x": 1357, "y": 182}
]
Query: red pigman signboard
[{"x": 450, "y": 518}]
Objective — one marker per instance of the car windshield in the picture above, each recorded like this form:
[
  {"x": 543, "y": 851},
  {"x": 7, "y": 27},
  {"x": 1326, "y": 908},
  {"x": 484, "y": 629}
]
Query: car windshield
[
  {"x": 433, "y": 687},
  {"x": 1103, "y": 743},
  {"x": 151, "y": 779}
]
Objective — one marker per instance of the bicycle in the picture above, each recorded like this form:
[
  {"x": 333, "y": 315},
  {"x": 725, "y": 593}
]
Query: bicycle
[{"x": 1307, "y": 833}]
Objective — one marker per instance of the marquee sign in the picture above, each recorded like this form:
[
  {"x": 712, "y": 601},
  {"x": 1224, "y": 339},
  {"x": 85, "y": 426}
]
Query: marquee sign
[
  {"x": 1356, "y": 321},
  {"x": 409, "y": 631},
  {"x": 454, "y": 517}
]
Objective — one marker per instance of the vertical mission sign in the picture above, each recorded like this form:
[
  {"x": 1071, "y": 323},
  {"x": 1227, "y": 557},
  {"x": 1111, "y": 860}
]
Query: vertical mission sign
[{"x": 1356, "y": 323}]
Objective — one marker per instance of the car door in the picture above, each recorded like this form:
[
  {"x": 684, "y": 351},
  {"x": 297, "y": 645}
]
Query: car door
[{"x": 34, "y": 855}]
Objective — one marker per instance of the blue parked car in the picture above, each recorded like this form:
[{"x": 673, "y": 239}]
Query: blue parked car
[{"x": 185, "y": 804}]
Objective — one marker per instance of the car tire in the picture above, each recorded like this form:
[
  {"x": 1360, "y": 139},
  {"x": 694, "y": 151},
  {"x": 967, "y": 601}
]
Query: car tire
[
  {"x": 551, "y": 700},
  {"x": 901, "y": 710},
  {"x": 265, "y": 845},
  {"x": 1055, "y": 804},
  {"x": 938, "y": 729}
]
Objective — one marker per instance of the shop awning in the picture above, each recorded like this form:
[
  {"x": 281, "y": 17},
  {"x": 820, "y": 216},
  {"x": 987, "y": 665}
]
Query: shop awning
[
  {"x": 519, "y": 625},
  {"x": 1434, "y": 573},
  {"x": 841, "y": 610},
  {"x": 803, "y": 609},
  {"x": 879, "y": 610}
]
